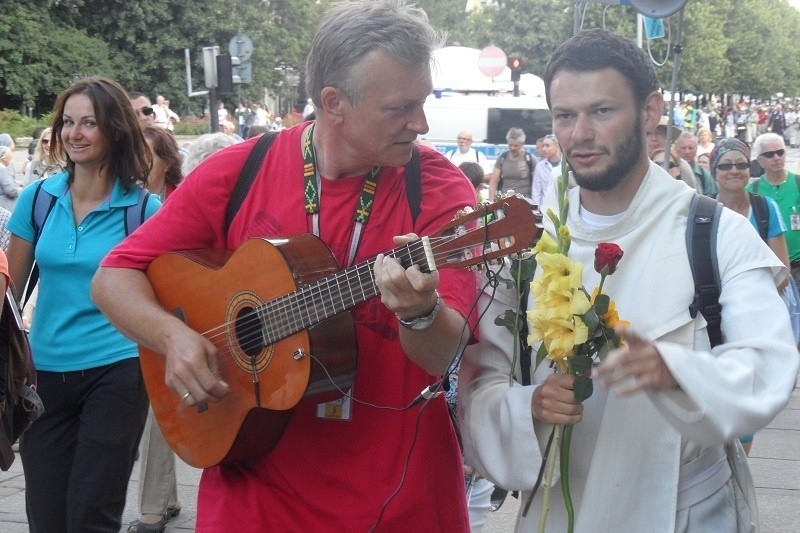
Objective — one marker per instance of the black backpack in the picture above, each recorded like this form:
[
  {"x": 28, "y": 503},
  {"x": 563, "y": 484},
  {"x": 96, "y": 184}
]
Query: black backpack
[
  {"x": 528, "y": 161},
  {"x": 258, "y": 154}
]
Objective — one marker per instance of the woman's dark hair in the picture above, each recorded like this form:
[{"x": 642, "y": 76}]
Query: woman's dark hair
[
  {"x": 165, "y": 147},
  {"x": 128, "y": 157}
]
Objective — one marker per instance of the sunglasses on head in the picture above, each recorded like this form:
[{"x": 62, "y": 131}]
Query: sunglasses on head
[
  {"x": 672, "y": 164},
  {"x": 742, "y": 165},
  {"x": 146, "y": 111},
  {"x": 773, "y": 153}
]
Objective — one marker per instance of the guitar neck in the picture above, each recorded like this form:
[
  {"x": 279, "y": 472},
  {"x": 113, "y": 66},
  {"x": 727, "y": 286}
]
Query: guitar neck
[{"x": 334, "y": 294}]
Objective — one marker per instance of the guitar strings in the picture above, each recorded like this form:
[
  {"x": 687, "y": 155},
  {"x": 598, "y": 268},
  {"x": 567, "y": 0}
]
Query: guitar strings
[{"x": 283, "y": 324}]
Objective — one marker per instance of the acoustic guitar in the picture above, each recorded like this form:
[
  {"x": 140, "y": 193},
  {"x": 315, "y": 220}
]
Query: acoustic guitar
[{"x": 276, "y": 309}]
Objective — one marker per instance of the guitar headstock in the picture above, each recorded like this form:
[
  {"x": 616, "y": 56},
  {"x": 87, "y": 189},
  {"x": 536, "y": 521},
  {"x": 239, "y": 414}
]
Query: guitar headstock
[{"x": 487, "y": 233}]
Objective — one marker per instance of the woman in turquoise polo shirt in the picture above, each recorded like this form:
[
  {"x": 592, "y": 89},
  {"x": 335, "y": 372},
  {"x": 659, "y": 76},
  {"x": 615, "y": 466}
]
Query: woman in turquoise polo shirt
[{"x": 78, "y": 456}]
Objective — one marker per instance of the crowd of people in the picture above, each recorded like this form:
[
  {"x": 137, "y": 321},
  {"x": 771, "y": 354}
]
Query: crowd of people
[{"x": 388, "y": 452}]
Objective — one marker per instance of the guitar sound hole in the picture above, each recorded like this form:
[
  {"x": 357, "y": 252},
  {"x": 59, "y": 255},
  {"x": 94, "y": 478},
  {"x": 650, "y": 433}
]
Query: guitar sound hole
[{"x": 248, "y": 331}]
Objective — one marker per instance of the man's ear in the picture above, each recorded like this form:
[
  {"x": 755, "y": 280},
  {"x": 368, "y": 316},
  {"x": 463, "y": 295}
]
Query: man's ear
[
  {"x": 653, "y": 109},
  {"x": 333, "y": 103}
]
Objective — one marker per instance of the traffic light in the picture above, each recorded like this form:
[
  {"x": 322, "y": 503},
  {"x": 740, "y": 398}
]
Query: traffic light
[
  {"x": 226, "y": 78},
  {"x": 224, "y": 74},
  {"x": 515, "y": 64}
]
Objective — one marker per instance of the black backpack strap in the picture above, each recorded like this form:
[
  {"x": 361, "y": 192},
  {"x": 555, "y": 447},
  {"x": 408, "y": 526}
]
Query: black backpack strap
[
  {"x": 43, "y": 203},
  {"x": 248, "y": 176},
  {"x": 413, "y": 185},
  {"x": 761, "y": 213},
  {"x": 501, "y": 159},
  {"x": 531, "y": 164},
  {"x": 701, "y": 245},
  {"x": 135, "y": 214}
]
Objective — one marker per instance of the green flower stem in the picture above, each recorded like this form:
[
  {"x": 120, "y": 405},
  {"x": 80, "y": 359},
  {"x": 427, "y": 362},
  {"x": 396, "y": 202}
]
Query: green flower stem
[
  {"x": 565, "y": 479},
  {"x": 548, "y": 483},
  {"x": 602, "y": 280},
  {"x": 515, "y": 356}
]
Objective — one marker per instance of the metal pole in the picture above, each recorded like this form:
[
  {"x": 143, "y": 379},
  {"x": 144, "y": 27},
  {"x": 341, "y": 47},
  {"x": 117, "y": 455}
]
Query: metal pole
[
  {"x": 677, "y": 50},
  {"x": 212, "y": 110},
  {"x": 576, "y": 18},
  {"x": 639, "y": 22}
]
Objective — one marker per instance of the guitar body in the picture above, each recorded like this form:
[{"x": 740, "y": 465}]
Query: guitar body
[
  {"x": 215, "y": 293},
  {"x": 278, "y": 312}
]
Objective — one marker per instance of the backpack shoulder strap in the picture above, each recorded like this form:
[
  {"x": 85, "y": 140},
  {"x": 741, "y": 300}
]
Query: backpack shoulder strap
[
  {"x": 701, "y": 244},
  {"x": 248, "y": 176},
  {"x": 761, "y": 213},
  {"x": 135, "y": 214},
  {"x": 529, "y": 161},
  {"x": 43, "y": 203},
  {"x": 413, "y": 185}
]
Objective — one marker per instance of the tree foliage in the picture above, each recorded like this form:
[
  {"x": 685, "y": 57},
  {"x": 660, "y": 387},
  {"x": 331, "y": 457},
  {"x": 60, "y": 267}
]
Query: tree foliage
[{"x": 728, "y": 46}]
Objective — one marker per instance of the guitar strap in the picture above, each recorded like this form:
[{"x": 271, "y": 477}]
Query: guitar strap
[
  {"x": 247, "y": 176},
  {"x": 259, "y": 153}
]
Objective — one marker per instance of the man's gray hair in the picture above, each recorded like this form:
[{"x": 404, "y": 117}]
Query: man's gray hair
[
  {"x": 204, "y": 146},
  {"x": 352, "y": 30},
  {"x": 764, "y": 138},
  {"x": 515, "y": 134}
]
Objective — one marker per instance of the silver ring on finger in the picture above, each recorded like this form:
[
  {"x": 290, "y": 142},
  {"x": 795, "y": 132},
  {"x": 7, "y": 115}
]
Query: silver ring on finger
[{"x": 186, "y": 396}]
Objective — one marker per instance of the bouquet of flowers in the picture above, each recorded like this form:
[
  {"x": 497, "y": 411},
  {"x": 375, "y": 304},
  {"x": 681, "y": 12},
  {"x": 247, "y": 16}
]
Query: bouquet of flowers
[{"x": 575, "y": 330}]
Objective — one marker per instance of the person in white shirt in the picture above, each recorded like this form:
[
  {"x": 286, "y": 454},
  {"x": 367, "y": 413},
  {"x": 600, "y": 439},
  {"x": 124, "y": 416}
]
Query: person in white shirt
[
  {"x": 546, "y": 169},
  {"x": 655, "y": 448},
  {"x": 161, "y": 115},
  {"x": 465, "y": 152}
]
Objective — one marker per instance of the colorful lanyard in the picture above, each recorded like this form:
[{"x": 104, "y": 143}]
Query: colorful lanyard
[{"x": 313, "y": 186}]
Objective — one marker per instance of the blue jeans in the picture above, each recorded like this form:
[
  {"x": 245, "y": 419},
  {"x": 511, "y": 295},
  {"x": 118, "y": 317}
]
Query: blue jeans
[{"x": 78, "y": 456}]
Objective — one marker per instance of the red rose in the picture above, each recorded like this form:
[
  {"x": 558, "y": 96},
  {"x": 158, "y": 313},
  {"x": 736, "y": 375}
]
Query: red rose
[{"x": 607, "y": 255}]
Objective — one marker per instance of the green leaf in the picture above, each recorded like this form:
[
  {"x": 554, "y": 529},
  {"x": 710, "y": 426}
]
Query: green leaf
[
  {"x": 509, "y": 319},
  {"x": 581, "y": 363},
  {"x": 583, "y": 388},
  {"x": 591, "y": 320},
  {"x": 601, "y": 304},
  {"x": 602, "y": 352},
  {"x": 524, "y": 269},
  {"x": 541, "y": 355}
]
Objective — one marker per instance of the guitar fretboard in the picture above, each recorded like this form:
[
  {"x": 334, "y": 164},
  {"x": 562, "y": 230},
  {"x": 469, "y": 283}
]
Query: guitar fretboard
[{"x": 334, "y": 294}]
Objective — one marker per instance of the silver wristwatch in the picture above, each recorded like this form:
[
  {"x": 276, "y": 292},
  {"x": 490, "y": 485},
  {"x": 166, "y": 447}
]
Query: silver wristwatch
[{"x": 422, "y": 322}]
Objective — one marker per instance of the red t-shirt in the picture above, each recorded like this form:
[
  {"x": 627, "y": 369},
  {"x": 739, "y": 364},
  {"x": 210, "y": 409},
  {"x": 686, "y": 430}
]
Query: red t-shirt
[{"x": 331, "y": 475}]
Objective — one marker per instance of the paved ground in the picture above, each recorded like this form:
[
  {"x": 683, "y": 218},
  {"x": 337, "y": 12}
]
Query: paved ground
[{"x": 775, "y": 462}]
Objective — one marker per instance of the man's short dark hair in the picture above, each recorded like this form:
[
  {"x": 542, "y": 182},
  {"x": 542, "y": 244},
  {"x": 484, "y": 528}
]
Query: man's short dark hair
[{"x": 598, "y": 49}]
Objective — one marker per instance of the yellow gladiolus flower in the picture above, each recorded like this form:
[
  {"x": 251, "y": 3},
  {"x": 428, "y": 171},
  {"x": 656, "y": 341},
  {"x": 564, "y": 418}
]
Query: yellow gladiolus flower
[
  {"x": 557, "y": 266},
  {"x": 546, "y": 244}
]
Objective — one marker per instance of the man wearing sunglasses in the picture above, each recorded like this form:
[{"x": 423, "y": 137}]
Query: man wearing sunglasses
[
  {"x": 143, "y": 108},
  {"x": 783, "y": 187}
]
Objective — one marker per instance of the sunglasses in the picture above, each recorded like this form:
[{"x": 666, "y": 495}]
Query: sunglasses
[
  {"x": 742, "y": 165},
  {"x": 146, "y": 111},
  {"x": 773, "y": 153}
]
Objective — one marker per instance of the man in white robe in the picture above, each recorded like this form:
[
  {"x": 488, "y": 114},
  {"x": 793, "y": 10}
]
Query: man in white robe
[{"x": 649, "y": 446}]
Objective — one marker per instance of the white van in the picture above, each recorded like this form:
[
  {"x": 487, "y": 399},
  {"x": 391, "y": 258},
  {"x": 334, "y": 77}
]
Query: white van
[{"x": 487, "y": 117}]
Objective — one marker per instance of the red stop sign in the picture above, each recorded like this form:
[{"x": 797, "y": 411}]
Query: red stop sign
[{"x": 491, "y": 61}]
